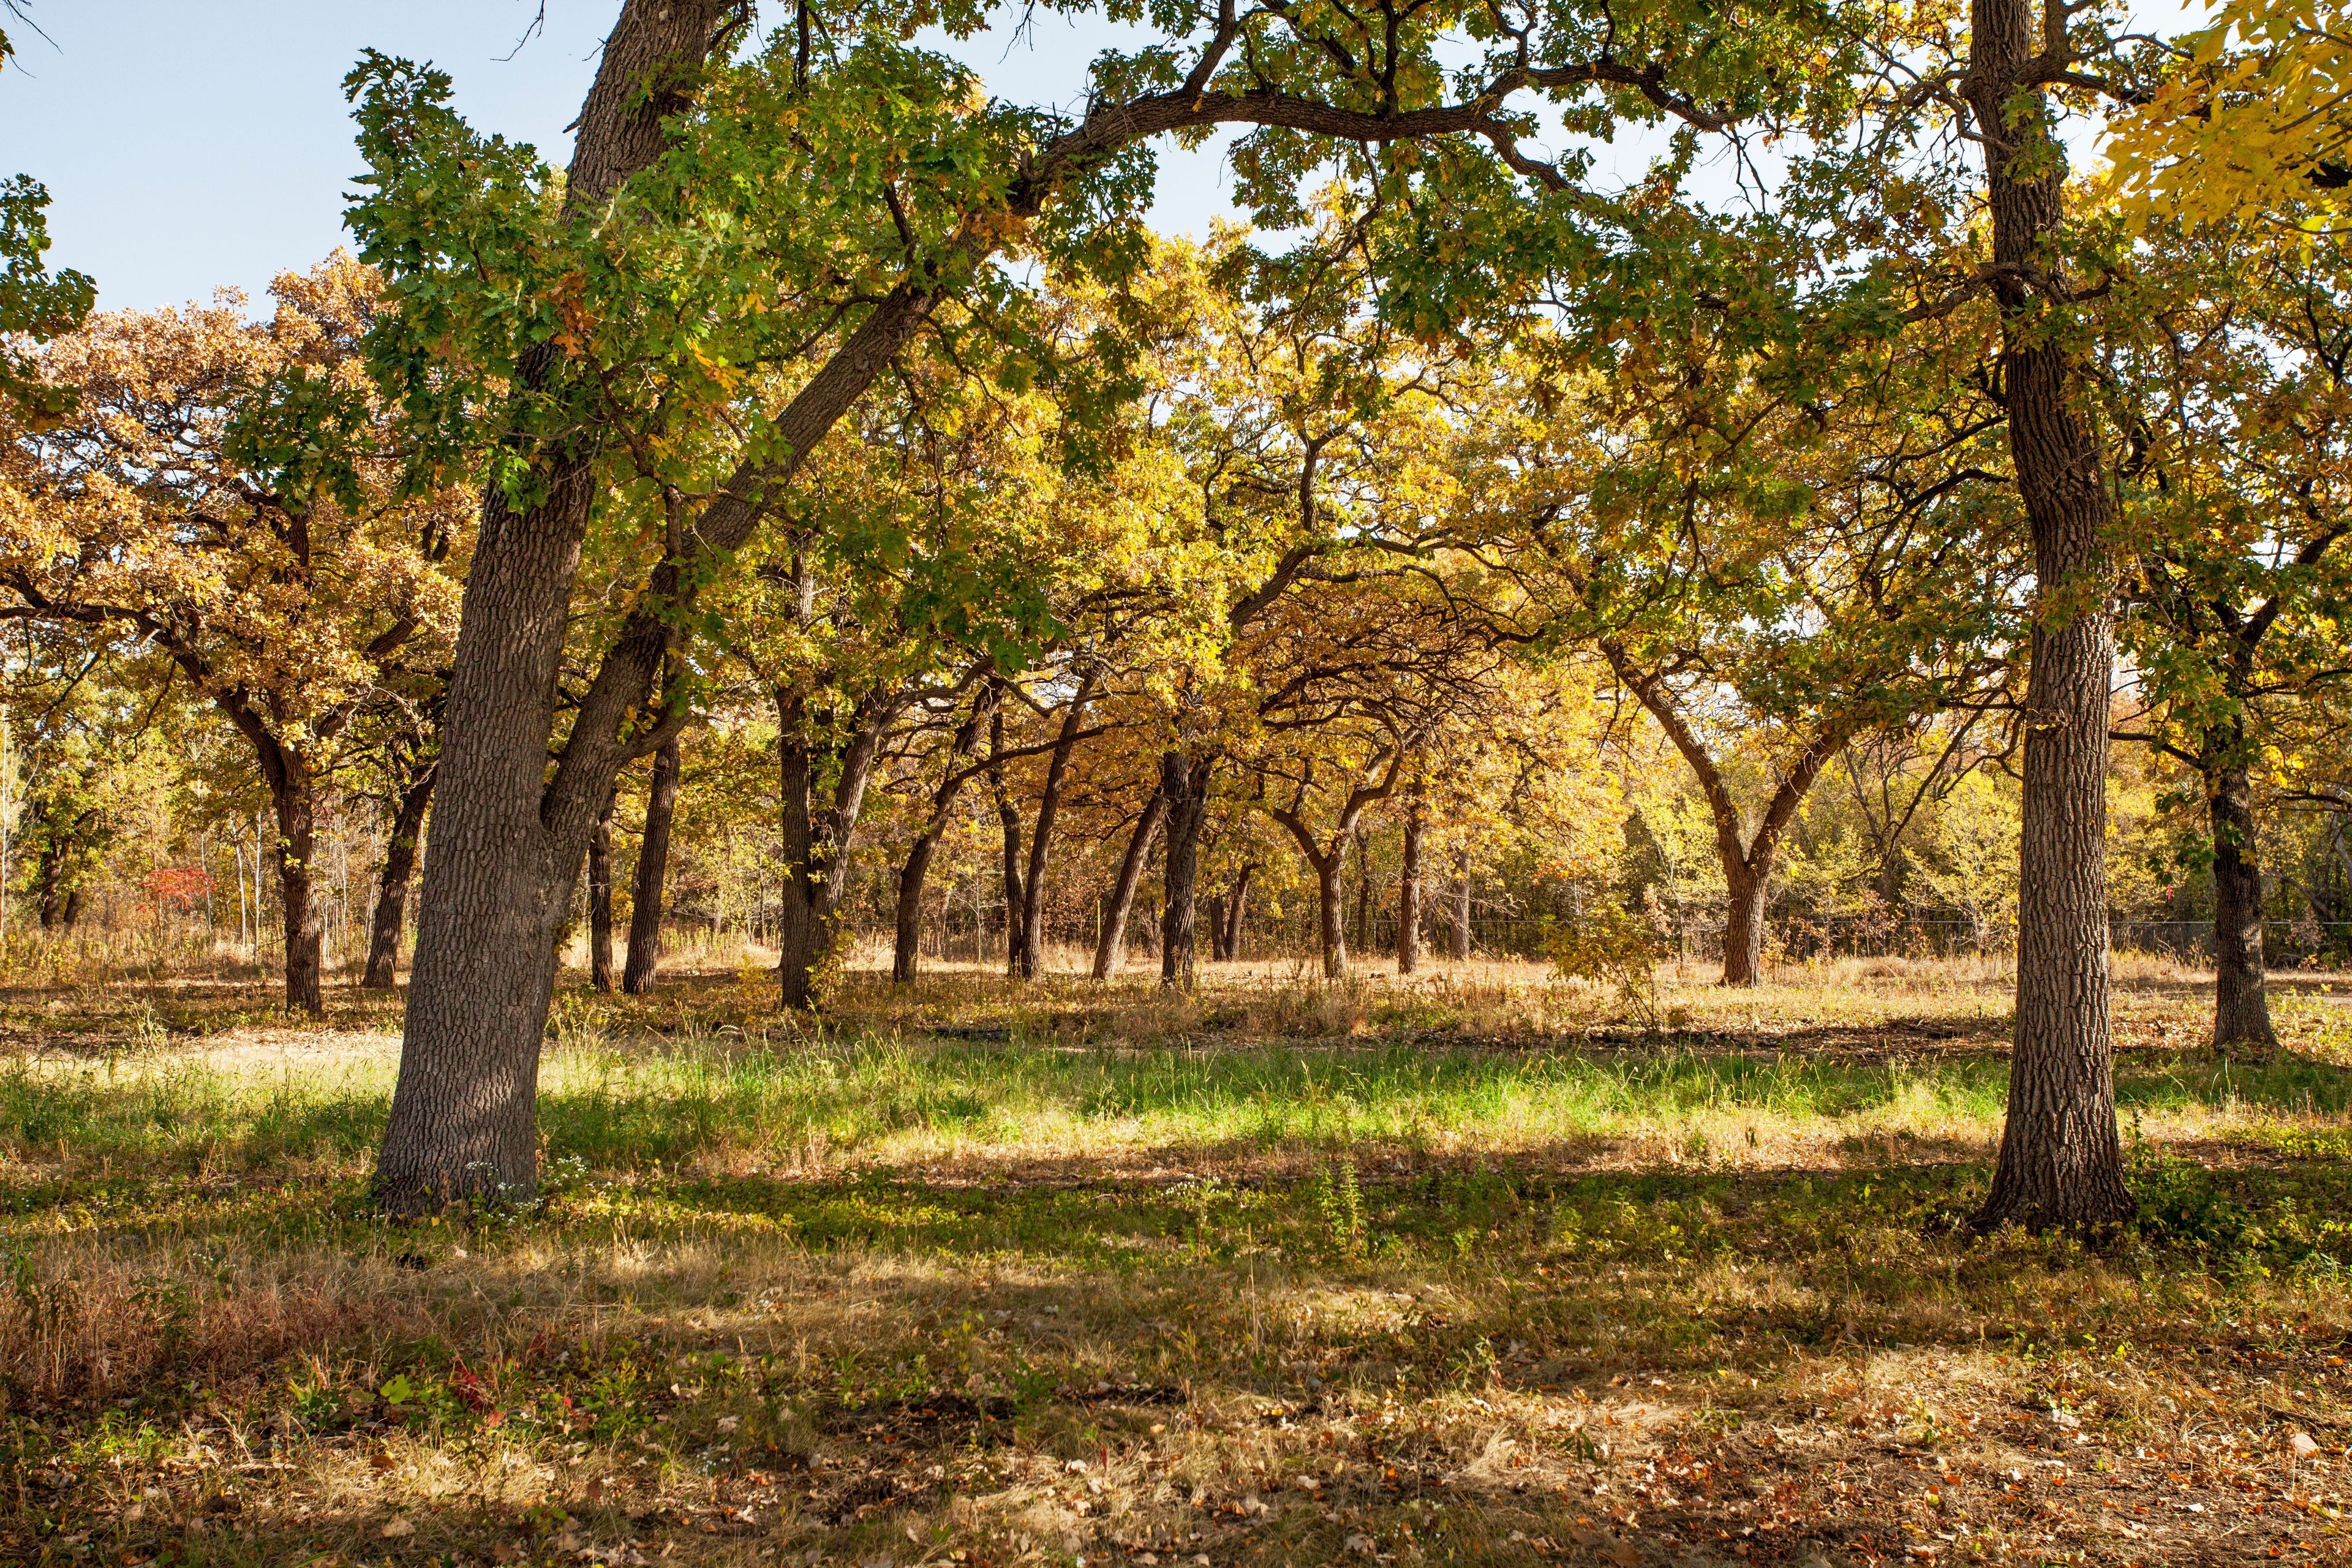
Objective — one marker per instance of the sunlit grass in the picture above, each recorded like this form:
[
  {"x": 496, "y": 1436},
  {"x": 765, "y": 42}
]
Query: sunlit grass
[{"x": 1466, "y": 1268}]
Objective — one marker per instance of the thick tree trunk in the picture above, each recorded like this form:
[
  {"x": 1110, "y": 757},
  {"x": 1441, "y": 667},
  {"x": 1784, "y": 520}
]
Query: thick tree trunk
[
  {"x": 1330, "y": 907},
  {"x": 653, "y": 872},
  {"x": 1111, "y": 947},
  {"x": 1743, "y": 924},
  {"x": 600, "y": 900},
  {"x": 497, "y": 878},
  {"x": 507, "y": 843},
  {"x": 2061, "y": 1161},
  {"x": 2241, "y": 1010},
  {"x": 1185, "y": 782},
  {"x": 1361, "y": 843},
  {"x": 391, "y": 886},
  {"x": 297, "y": 844},
  {"x": 1408, "y": 940}
]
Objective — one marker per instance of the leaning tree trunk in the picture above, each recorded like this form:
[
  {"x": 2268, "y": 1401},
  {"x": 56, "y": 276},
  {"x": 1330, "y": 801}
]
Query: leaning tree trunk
[
  {"x": 298, "y": 843},
  {"x": 2061, "y": 1161},
  {"x": 1110, "y": 948},
  {"x": 2242, "y": 1011},
  {"x": 652, "y": 870},
  {"x": 501, "y": 865},
  {"x": 1233, "y": 911},
  {"x": 600, "y": 900},
  {"x": 908, "y": 938},
  {"x": 391, "y": 886},
  {"x": 1408, "y": 940},
  {"x": 497, "y": 880},
  {"x": 1743, "y": 925},
  {"x": 1185, "y": 782}
]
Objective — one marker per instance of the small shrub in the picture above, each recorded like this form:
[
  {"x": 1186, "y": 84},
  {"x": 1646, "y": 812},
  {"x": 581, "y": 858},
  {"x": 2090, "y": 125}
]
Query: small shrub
[{"x": 1611, "y": 945}]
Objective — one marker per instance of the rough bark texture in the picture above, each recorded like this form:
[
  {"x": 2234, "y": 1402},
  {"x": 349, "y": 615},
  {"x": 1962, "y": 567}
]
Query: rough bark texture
[
  {"x": 1408, "y": 941},
  {"x": 1111, "y": 947},
  {"x": 653, "y": 872},
  {"x": 600, "y": 900},
  {"x": 1330, "y": 910},
  {"x": 1184, "y": 781},
  {"x": 2061, "y": 1161},
  {"x": 392, "y": 885},
  {"x": 2242, "y": 1009},
  {"x": 507, "y": 842},
  {"x": 306, "y": 926},
  {"x": 1743, "y": 923}
]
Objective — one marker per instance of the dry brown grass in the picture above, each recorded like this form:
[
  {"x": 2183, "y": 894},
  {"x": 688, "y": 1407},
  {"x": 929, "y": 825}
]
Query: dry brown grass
[{"x": 1453, "y": 1269}]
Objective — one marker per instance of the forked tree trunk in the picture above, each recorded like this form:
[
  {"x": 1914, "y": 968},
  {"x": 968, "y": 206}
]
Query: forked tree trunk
[
  {"x": 391, "y": 886},
  {"x": 1041, "y": 838},
  {"x": 296, "y": 844},
  {"x": 816, "y": 842},
  {"x": 1184, "y": 781},
  {"x": 2242, "y": 1009},
  {"x": 1743, "y": 924},
  {"x": 1747, "y": 858},
  {"x": 917, "y": 866},
  {"x": 506, "y": 841},
  {"x": 600, "y": 900},
  {"x": 1408, "y": 941},
  {"x": 1329, "y": 860},
  {"x": 1111, "y": 947},
  {"x": 2060, "y": 1160},
  {"x": 653, "y": 872}
]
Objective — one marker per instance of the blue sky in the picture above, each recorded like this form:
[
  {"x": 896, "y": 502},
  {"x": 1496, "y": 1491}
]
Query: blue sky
[{"x": 193, "y": 144}]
